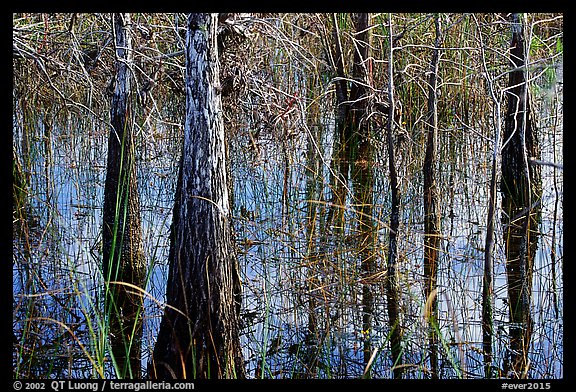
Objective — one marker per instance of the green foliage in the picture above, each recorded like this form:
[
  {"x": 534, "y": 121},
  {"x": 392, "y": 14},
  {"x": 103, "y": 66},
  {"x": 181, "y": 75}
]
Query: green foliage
[{"x": 559, "y": 45}]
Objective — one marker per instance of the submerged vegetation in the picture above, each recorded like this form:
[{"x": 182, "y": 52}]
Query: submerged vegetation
[{"x": 395, "y": 187}]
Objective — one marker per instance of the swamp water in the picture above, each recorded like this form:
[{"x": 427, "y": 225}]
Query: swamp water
[{"x": 302, "y": 282}]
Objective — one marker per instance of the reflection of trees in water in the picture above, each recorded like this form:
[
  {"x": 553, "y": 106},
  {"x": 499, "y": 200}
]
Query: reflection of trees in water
[
  {"x": 303, "y": 279},
  {"x": 522, "y": 192}
]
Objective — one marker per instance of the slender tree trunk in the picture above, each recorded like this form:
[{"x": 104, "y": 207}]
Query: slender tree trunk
[
  {"x": 363, "y": 179},
  {"x": 392, "y": 289},
  {"x": 354, "y": 145},
  {"x": 487, "y": 281},
  {"x": 521, "y": 190},
  {"x": 343, "y": 139},
  {"x": 199, "y": 333},
  {"x": 123, "y": 256},
  {"x": 431, "y": 208},
  {"x": 313, "y": 255}
]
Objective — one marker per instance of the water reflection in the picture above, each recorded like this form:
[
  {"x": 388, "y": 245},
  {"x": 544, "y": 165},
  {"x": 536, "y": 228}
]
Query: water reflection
[{"x": 302, "y": 291}]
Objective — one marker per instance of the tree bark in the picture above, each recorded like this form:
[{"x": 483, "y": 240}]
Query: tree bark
[
  {"x": 488, "y": 275},
  {"x": 487, "y": 280},
  {"x": 199, "y": 333},
  {"x": 343, "y": 139},
  {"x": 392, "y": 287},
  {"x": 363, "y": 178},
  {"x": 521, "y": 192},
  {"x": 313, "y": 254},
  {"x": 431, "y": 207},
  {"x": 123, "y": 255}
]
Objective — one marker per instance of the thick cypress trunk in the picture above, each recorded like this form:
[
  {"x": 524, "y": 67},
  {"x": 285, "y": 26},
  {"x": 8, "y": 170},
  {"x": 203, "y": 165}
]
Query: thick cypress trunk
[
  {"x": 199, "y": 333},
  {"x": 431, "y": 208},
  {"x": 123, "y": 255},
  {"x": 521, "y": 193}
]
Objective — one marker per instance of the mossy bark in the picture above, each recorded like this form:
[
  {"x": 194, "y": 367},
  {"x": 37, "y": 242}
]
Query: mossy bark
[{"x": 123, "y": 256}]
